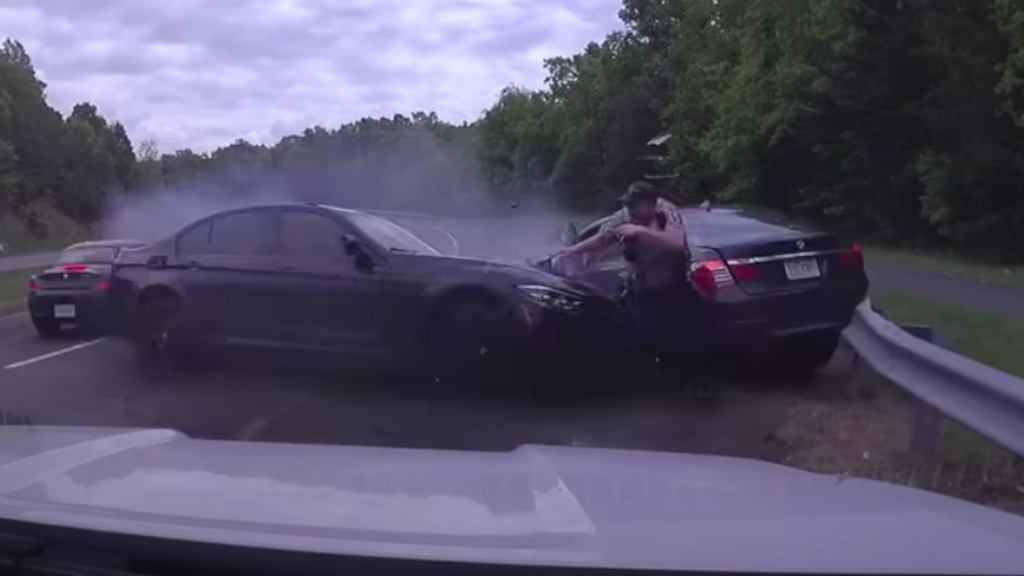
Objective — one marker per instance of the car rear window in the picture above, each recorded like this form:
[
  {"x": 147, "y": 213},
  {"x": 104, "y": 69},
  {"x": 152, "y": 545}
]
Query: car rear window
[
  {"x": 98, "y": 255},
  {"x": 723, "y": 226}
]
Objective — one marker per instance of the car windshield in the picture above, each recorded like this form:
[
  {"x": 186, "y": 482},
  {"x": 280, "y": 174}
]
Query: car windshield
[
  {"x": 388, "y": 234},
  {"x": 89, "y": 255}
]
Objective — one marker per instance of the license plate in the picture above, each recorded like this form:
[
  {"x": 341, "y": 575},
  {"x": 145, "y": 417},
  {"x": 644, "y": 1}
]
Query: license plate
[
  {"x": 802, "y": 269},
  {"x": 64, "y": 311}
]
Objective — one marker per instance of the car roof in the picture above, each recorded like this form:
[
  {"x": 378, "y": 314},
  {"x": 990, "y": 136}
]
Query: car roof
[{"x": 105, "y": 244}]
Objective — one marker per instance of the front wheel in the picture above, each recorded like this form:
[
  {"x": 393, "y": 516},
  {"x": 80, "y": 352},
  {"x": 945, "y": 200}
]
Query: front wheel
[{"x": 477, "y": 342}]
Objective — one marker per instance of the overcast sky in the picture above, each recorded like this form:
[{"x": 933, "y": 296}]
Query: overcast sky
[{"x": 201, "y": 74}]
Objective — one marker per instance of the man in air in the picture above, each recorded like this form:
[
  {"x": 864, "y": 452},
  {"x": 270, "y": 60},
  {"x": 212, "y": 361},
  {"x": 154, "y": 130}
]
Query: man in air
[{"x": 654, "y": 244}]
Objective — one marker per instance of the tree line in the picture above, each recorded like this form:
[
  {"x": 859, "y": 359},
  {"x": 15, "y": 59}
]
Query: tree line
[{"x": 899, "y": 119}]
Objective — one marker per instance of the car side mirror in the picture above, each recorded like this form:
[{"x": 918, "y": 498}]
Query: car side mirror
[
  {"x": 570, "y": 236},
  {"x": 351, "y": 245}
]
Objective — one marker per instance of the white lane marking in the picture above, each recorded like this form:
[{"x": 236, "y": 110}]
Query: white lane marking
[
  {"x": 53, "y": 354},
  {"x": 454, "y": 242},
  {"x": 259, "y": 424},
  {"x": 12, "y": 316}
]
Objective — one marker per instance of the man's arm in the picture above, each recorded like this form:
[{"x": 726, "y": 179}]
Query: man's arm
[
  {"x": 673, "y": 236},
  {"x": 604, "y": 237}
]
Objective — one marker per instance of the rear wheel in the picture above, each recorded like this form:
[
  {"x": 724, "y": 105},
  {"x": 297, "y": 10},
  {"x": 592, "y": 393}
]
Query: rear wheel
[
  {"x": 804, "y": 355},
  {"x": 477, "y": 341},
  {"x": 162, "y": 338},
  {"x": 46, "y": 327}
]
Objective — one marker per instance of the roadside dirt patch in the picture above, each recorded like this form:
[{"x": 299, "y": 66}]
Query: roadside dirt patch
[{"x": 871, "y": 439}]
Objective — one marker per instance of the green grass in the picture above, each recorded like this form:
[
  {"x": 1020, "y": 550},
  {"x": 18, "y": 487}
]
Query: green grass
[
  {"x": 988, "y": 338},
  {"x": 13, "y": 284},
  {"x": 954, "y": 265}
]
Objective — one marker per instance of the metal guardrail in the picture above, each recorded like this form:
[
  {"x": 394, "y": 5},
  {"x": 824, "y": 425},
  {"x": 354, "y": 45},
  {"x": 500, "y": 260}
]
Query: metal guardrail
[{"x": 984, "y": 399}]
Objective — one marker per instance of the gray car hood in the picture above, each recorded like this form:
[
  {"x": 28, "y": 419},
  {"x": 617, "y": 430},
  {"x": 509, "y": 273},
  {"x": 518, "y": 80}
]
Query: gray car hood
[{"x": 545, "y": 505}]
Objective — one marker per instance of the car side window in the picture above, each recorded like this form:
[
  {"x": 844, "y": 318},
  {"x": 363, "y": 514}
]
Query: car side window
[
  {"x": 195, "y": 240},
  {"x": 245, "y": 233},
  {"x": 305, "y": 234}
]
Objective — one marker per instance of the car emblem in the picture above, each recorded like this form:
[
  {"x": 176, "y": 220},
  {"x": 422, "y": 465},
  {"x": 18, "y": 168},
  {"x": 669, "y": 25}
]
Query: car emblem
[{"x": 800, "y": 244}]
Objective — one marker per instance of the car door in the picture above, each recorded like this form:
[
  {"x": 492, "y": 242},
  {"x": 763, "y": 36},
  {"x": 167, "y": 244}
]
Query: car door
[
  {"x": 234, "y": 279},
  {"x": 322, "y": 281}
]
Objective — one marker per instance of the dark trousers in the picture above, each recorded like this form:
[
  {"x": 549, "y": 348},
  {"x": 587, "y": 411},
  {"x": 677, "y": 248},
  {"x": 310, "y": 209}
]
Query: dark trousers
[{"x": 654, "y": 319}]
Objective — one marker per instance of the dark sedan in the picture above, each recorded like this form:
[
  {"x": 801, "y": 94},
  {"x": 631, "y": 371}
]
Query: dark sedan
[
  {"x": 75, "y": 289},
  {"x": 759, "y": 281},
  {"x": 322, "y": 278}
]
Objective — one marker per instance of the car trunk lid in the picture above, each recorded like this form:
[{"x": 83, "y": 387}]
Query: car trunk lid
[
  {"x": 763, "y": 252},
  {"x": 74, "y": 277}
]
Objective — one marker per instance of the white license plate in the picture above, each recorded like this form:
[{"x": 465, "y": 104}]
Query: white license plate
[
  {"x": 802, "y": 269},
  {"x": 64, "y": 311}
]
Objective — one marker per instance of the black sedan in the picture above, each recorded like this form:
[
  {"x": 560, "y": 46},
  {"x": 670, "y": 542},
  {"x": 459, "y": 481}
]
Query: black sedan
[
  {"x": 759, "y": 281},
  {"x": 75, "y": 289},
  {"x": 311, "y": 277}
]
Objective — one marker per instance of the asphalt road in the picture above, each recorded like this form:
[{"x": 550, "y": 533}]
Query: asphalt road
[
  {"x": 77, "y": 380},
  {"x": 985, "y": 297},
  {"x": 8, "y": 263}
]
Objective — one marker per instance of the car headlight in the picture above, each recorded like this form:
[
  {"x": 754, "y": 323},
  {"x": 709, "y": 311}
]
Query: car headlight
[{"x": 552, "y": 297}]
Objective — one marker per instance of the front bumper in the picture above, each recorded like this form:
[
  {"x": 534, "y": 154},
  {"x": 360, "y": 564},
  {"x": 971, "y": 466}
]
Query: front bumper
[
  {"x": 553, "y": 331},
  {"x": 91, "y": 308}
]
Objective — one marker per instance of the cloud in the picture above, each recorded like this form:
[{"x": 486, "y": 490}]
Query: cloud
[{"x": 201, "y": 74}]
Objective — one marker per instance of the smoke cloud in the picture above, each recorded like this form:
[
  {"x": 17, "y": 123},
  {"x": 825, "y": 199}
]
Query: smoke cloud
[{"x": 417, "y": 173}]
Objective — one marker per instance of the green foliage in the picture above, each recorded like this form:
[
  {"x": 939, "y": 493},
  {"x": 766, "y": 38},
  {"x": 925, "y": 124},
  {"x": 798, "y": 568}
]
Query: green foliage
[
  {"x": 45, "y": 160},
  {"x": 898, "y": 119}
]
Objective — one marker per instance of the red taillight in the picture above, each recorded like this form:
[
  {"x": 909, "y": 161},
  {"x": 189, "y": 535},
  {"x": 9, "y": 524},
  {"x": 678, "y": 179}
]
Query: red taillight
[
  {"x": 709, "y": 275},
  {"x": 74, "y": 267},
  {"x": 743, "y": 271},
  {"x": 853, "y": 258},
  {"x": 102, "y": 285},
  {"x": 33, "y": 284}
]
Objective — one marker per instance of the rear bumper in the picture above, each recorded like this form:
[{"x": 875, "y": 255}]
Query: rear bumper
[
  {"x": 91, "y": 308},
  {"x": 768, "y": 320}
]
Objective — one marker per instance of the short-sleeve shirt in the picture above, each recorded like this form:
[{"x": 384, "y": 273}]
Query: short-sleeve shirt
[{"x": 654, "y": 265}]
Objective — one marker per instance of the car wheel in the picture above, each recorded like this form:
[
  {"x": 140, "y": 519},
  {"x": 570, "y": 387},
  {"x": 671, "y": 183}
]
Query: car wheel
[
  {"x": 47, "y": 327},
  {"x": 803, "y": 356},
  {"x": 477, "y": 342},
  {"x": 161, "y": 338}
]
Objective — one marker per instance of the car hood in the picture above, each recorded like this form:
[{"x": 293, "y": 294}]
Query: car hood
[
  {"x": 533, "y": 505},
  {"x": 514, "y": 271}
]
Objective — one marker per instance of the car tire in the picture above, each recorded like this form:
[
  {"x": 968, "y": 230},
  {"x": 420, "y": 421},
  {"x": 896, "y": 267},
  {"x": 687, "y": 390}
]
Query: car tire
[
  {"x": 476, "y": 343},
  {"x": 804, "y": 355},
  {"x": 161, "y": 339},
  {"x": 46, "y": 327}
]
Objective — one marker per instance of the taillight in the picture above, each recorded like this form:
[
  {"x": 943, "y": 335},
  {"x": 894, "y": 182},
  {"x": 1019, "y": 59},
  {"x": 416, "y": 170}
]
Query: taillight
[
  {"x": 852, "y": 258},
  {"x": 709, "y": 275},
  {"x": 742, "y": 270},
  {"x": 33, "y": 284},
  {"x": 102, "y": 285},
  {"x": 74, "y": 267}
]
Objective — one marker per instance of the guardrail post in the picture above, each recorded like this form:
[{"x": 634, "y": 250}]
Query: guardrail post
[{"x": 927, "y": 426}]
